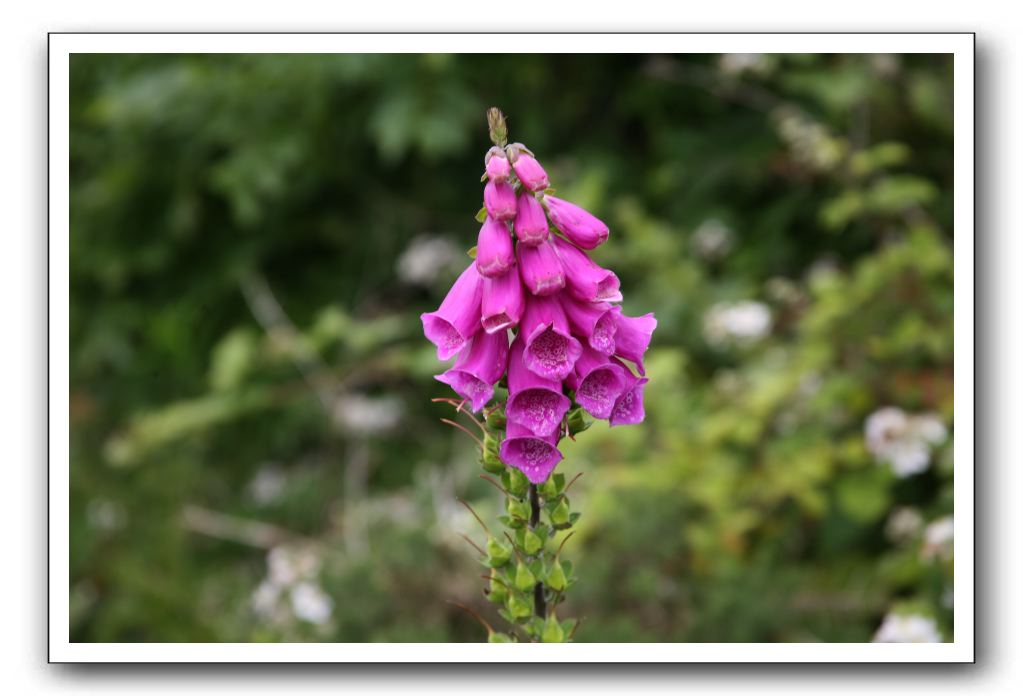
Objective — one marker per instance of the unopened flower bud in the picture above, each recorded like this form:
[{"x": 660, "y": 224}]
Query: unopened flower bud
[
  {"x": 498, "y": 167},
  {"x": 540, "y": 269},
  {"x": 530, "y": 220},
  {"x": 498, "y": 553},
  {"x": 580, "y": 226},
  {"x": 527, "y": 169},
  {"x": 494, "y": 251},
  {"x": 556, "y": 577},
  {"x": 499, "y": 200},
  {"x": 524, "y": 578},
  {"x": 552, "y": 631}
]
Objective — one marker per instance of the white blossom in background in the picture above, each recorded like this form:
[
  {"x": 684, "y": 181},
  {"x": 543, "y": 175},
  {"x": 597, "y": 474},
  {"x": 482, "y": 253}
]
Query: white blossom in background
[
  {"x": 938, "y": 539},
  {"x": 268, "y": 484},
  {"x": 291, "y": 588},
  {"x": 908, "y": 628},
  {"x": 738, "y": 63},
  {"x": 904, "y": 524},
  {"x": 310, "y": 603},
  {"x": 713, "y": 239},
  {"x": 368, "y": 415},
  {"x": 903, "y": 441},
  {"x": 741, "y": 323},
  {"x": 425, "y": 259},
  {"x": 107, "y": 515}
]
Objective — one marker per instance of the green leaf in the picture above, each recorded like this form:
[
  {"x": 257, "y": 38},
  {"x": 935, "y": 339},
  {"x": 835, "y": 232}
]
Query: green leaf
[{"x": 481, "y": 216}]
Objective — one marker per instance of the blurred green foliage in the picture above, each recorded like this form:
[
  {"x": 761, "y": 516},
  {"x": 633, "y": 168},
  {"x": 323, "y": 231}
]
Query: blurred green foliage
[{"x": 255, "y": 456}]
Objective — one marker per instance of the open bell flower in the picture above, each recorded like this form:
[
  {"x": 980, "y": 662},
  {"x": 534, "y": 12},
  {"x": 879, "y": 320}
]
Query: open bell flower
[
  {"x": 530, "y": 220},
  {"x": 495, "y": 253},
  {"x": 534, "y": 402},
  {"x": 584, "y": 278},
  {"x": 503, "y": 302},
  {"x": 597, "y": 322},
  {"x": 540, "y": 268},
  {"x": 531, "y": 454},
  {"x": 550, "y": 349},
  {"x": 499, "y": 200},
  {"x": 478, "y": 368},
  {"x": 598, "y": 383},
  {"x": 580, "y": 227},
  {"x": 632, "y": 337},
  {"x": 458, "y": 317},
  {"x": 527, "y": 169},
  {"x": 628, "y": 408},
  {"x": 497, "y": 164}
]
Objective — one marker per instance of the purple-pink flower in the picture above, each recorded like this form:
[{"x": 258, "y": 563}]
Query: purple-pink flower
[
  {"x": 498, "y": 166},
  {"x": 533, "y": 276},
  {"x": 478, "y": 368},
  {"x": 458, "y": 317},
  {"x": 494, "y": 251},
  {"x": 527, "y": 169},
  {"x": 503, "y": 302},
  {"x": 534, "y": 402},
  {"x": 580, "y": 227},
  {"x": 540, "y": 268},
  {"x": 530, "y": 221},
  {"x": 499, "y": 200}
]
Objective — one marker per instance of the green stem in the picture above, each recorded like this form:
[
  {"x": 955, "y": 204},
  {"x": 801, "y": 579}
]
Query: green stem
[{"x": 539, "y": 600}]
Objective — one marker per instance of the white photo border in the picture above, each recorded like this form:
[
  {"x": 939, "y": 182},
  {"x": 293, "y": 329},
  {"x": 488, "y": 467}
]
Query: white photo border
[{"x": 62, "y": 45}]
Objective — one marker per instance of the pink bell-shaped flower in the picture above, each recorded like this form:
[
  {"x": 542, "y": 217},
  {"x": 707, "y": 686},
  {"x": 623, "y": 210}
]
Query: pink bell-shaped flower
[
  {"x": 478, "y": 368},
  {"x": 503, "y": 302},
  {"x": 534, "y": 402},
  {"x": 550, "y": 349},
  {"x": 534, "y": 456},
  {"x": 458, "y": 317}
]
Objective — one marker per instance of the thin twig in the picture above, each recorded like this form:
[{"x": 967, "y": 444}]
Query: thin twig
[
  {"x": 558, "y": 554},
  {"x": 473, "y": 544},
  {"x": 470, "y": 612},
  {"x": 463, "y": 429},
  {"x": 574, "y": 479},
  {"x": 493, "y": 482},
  {"x": 469, "y": 508}
]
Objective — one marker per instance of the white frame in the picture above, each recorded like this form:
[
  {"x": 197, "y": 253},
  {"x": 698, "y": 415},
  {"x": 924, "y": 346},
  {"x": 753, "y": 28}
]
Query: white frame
[{"x": 961, "y": 45}]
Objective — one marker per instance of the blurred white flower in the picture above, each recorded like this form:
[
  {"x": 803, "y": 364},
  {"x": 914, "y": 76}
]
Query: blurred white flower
[
  {"x": 809, "y": 142},
  {"x": 289, "y": 564},
  {"x": 907, "y": 628},
  {"x": 290, "y": 588},
  {"x": 903, "y": 441},
  {"x": 948, "y": 598},
  {"x": 738, "y": 63},
  {"x": 712, "y": 239},
  {"x": 264, "y": 599},
  {"x": 367, "y": 415},
  {"x": 107, "y": 515},
  {"x": 738, "y": 322},
  {"x": 885, "y": 64},
  {"x": 904, "y": 524},
  {"x": 268, "y": 484},
  {"x": 938, "y": 539},
  {"x": 425, "y": 258},
  {"x": 310, "y": 603}
]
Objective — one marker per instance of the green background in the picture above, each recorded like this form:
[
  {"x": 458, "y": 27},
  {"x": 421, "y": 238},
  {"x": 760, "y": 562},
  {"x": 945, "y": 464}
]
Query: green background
[{"x": 253, "y": 238}]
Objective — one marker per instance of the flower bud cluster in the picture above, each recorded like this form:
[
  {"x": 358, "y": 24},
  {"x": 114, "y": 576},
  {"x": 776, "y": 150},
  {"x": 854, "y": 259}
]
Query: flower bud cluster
[{"x": 570, "y": 346}]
